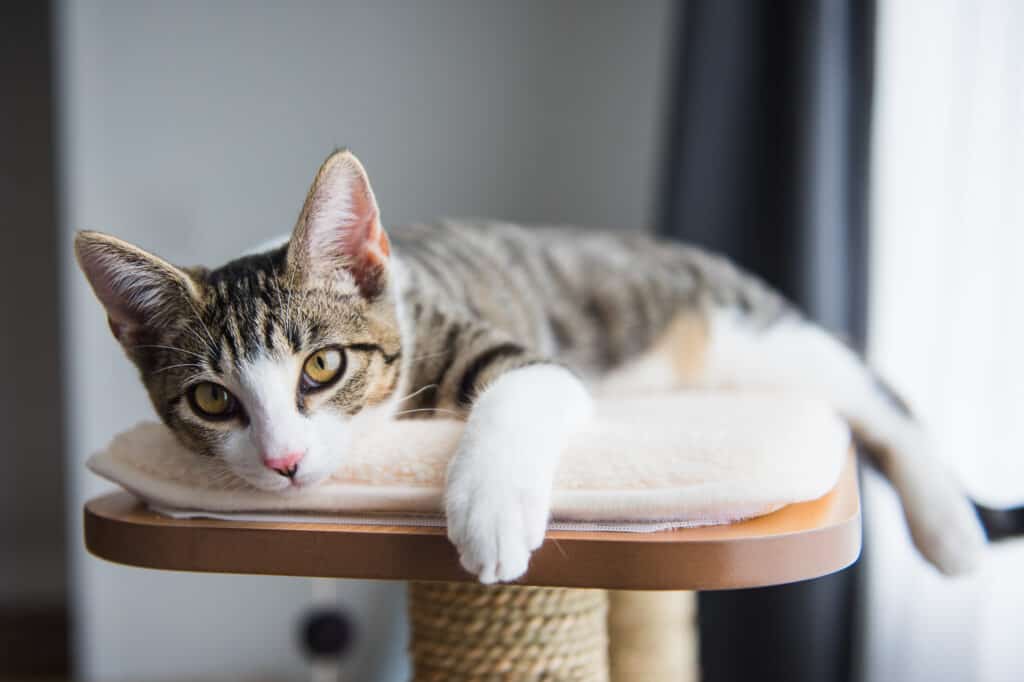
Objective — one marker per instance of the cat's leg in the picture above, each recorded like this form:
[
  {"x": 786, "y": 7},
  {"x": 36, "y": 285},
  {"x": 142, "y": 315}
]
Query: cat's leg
[
  {"x": 498, "y": 494},
  {"x": 794, "y": 354}
]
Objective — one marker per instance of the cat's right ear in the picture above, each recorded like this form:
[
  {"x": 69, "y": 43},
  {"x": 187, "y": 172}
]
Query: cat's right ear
[{"x": 140, "y": 291}]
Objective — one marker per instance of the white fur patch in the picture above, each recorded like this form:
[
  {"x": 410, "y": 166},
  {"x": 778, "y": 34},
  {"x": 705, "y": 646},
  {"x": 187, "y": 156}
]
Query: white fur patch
[
  {"x": 498, "y": 495},
  {"x": 796, "y": 356},
  {"x": 650, "y": 373},
  {"x": 266, "y": 388}
]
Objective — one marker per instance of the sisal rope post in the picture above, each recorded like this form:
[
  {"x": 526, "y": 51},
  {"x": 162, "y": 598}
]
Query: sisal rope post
[
  {"x": 653, "y": 636},
  {"x": 468, "y": 631}
]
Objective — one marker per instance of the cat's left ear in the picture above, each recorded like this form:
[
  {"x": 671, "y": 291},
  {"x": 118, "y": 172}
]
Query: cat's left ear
[{"x": 339, "y": 229}]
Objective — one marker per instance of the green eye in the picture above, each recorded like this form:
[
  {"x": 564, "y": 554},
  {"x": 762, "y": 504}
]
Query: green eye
[
  {"x": 212, "y": 401},
  {"x": 323, "y": 367}
]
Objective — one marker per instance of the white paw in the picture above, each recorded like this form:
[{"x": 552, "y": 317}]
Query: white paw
[
  {"x": 494, "y": 522},
  {"x": 498, "y": 493}
]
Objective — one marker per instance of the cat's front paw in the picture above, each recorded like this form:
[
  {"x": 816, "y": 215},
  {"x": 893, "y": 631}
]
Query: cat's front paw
[{"x": 494, "y": 523}]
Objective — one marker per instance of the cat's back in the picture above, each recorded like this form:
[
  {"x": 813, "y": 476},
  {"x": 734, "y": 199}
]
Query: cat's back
[
  {"x": 595, "y": 298},
  {"x": 570, "y": 251},
  {"x": 565, "y": 260}
]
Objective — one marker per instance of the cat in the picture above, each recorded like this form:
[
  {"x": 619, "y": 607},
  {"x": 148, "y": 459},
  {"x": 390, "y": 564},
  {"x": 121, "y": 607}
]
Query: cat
[{"x": 274, "y": 361}]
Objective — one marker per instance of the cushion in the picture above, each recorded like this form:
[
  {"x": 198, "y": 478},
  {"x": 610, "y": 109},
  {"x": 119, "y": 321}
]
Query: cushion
[{"x": 676, "y": 459}]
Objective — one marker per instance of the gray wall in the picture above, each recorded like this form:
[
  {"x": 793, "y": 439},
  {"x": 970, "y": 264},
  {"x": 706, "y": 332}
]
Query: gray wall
[{"x": 194, "y": 128}]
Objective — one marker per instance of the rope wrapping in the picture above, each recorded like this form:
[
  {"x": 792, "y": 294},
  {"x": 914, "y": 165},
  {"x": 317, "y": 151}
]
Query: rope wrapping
[{"x": 466, "y": 631}]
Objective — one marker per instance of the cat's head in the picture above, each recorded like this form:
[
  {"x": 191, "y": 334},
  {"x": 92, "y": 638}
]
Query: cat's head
[{"x": 270, "y": 362}]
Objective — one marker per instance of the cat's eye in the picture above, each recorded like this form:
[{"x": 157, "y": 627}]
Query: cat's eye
[
  {"x": 323, "y": 367},
  {"x": 212, "y": 401}
]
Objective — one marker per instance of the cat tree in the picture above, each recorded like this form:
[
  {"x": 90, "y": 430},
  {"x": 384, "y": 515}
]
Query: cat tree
[{"x": 553, "y": 624}]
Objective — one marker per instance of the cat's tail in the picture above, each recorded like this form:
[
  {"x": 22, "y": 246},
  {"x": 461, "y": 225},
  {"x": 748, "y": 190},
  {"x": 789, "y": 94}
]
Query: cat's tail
[{"x": 793, "y": 353}]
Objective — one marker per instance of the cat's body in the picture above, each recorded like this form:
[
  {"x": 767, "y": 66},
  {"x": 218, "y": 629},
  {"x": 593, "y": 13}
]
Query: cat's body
[
  {"x": 595, "y": 303},
  {"x": 510, "y": 328}
]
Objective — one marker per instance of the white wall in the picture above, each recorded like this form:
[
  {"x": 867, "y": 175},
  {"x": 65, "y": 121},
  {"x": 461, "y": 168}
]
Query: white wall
[
  {"x": 946, "y": 321},
  {"x": 193, "y": 128}
]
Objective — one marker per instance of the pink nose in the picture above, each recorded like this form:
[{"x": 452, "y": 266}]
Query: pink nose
[{"x": 286, "y": 465}]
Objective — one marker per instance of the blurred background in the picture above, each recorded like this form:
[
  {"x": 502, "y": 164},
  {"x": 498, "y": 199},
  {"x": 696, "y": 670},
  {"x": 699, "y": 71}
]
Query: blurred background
[{"x": 866, "y": 157}]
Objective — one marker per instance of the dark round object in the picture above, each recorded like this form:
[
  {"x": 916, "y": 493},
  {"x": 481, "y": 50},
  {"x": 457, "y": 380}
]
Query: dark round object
[{"x": 327, "y": 633}]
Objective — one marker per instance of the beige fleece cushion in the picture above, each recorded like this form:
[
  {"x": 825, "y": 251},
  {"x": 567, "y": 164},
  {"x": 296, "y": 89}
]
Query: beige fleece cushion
[{"x": 686, "y": 457}]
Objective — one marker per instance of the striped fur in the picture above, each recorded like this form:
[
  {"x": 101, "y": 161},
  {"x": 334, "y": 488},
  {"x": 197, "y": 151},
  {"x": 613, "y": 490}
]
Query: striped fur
[
  {"x": 438, "y": 319},
  {"x": 484, "y": 298}
]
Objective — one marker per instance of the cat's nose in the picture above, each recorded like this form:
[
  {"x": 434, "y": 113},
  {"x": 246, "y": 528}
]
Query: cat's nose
[{"x": 287, "y": 465}]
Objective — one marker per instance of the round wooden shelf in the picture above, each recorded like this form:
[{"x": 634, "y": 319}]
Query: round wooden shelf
[{"x": 798, "y": 542}]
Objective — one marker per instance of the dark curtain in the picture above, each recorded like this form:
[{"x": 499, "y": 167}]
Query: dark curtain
[{"x": 766, "y": 161}]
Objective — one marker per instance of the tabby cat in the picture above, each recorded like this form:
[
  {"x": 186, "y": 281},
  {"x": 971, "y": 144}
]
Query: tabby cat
[{"x": 273, "y": 362}]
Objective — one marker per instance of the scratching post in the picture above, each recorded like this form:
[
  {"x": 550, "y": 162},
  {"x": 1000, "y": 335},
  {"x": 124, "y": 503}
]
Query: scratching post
[
  {"x": 467, "y": 631},
  {"x": 653, "y": 636}
]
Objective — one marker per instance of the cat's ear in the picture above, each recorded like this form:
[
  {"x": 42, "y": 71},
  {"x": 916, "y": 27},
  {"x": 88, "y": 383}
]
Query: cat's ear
[
  {"x": 339, "y": 229},
  {"x": 141, "y": 292}
]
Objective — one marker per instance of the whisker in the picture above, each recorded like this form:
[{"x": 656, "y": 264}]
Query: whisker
[
  {"x": 197, "y": 337},
  {"x": 416, "y": 393},
  {"x": 184, "y": 364},
  {"x": 174, "y": 348},
  {"x": 428, "y": 409},
  {"x": 202, "y": 324},
  {"x": 204, "y": 341}
]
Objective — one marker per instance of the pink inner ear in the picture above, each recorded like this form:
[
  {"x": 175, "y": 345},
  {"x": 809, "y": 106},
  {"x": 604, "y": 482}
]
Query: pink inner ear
[
  {"x": 367, "y": 249},
  {"x": 346, "y": 227},
  {"x": 364, "y": 237}
]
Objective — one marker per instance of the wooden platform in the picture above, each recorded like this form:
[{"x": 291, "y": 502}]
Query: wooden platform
[{"x": 798, "y": 542}]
